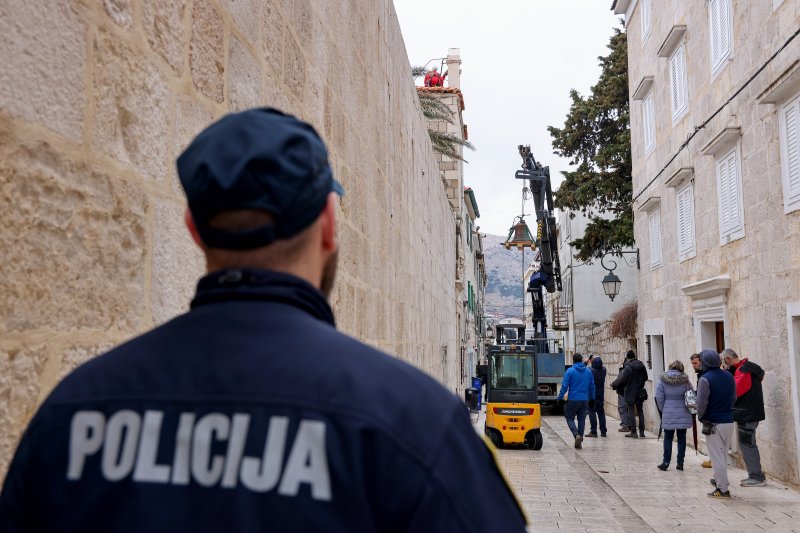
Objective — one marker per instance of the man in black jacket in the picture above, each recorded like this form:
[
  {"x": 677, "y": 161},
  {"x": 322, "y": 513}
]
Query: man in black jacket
[
  {"x": 748, "y": 411},
  {"x": 632, "y": 378},
  {"x": 251, "y": 412}
]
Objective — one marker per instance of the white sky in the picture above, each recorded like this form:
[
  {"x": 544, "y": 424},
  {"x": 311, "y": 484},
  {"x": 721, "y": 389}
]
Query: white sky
[{"x": 519, "y": 59}]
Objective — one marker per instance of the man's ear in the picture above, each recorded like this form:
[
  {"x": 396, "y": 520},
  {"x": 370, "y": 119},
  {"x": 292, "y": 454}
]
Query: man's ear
[
  {"x": 328, "y": 219},
  {"x": 187, "y": 217}
]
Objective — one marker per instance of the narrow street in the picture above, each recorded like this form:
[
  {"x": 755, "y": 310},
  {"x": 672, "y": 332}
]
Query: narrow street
[{"x": 612, "y": 484}]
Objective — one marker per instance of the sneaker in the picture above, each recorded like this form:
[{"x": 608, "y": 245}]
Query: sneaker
[
  {"x": 594, "y": 435},
  {"x": 602, "y": 434},
  {"x": 752, "y": 482},
  {"x": 641, "y": 434},
  {"x": 632, "y": 435},
  {"x": 663, "y": 466},
  {"x": 719, "y": 494},
  {"x": 706, "y": 464},
  {"x": 624, "y": 429},
  {"x": 578, "y": 440},
  {"x": 679, "y": 466}
]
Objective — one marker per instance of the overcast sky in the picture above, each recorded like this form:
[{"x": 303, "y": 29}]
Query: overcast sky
[{"x": 519, "y": 59}]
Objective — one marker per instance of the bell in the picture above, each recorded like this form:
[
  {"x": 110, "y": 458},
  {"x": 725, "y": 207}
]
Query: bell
[{"x": 521, "y": 236}]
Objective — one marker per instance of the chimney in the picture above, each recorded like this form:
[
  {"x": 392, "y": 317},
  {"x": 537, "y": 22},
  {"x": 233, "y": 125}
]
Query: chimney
[{"x": 454, "y": 67}]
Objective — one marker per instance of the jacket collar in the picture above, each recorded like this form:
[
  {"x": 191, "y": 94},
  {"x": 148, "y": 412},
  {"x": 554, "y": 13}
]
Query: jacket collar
[{"x": 249, "y": 284}]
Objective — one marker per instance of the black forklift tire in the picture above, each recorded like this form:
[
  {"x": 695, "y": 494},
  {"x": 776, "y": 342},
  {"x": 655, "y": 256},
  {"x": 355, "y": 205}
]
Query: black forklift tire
[
  {"x": 536, "y": 440},
  {"x": 496, "y": 438}
]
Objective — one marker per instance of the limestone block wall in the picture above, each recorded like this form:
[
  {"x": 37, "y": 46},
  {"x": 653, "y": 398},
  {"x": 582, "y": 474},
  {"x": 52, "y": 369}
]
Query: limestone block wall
[
  {"x": 97, "y": 98},
  {"x": 594, "y": 338},
  {"x": 764, "y": 266}
]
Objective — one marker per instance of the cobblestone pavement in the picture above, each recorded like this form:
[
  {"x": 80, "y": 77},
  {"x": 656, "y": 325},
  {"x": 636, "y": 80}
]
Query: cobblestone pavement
[{"x": 612, "y": 484}]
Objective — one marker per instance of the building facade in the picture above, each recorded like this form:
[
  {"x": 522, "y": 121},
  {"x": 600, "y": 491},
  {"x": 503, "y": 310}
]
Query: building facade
[
  {"x": 469, "y": 268},
  {"x": 582, "y": 304},
  {"x": 715, "y": 109}
]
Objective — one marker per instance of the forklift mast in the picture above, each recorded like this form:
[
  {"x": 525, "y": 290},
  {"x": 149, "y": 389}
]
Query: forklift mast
[{"x": 548, "y": 276}]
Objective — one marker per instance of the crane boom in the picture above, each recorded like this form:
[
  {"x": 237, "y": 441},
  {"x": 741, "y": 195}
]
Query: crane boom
[{"x": 548, "y": 275}]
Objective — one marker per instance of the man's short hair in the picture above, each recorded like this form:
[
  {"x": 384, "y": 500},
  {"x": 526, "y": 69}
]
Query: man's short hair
[
  {"x": 694, "y": 356},
  {"x": 630, "y": 354},
  {"x": 727, "y": 352},
  {"x": 577, "y": 358}
]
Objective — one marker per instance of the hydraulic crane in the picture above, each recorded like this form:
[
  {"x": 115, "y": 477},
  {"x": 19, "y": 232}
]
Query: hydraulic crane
[{"x": 548, "y": 276}]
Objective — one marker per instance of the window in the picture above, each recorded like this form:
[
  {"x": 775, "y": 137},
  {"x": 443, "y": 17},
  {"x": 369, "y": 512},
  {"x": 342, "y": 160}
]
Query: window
[
  {"x": 729, "y": 194},
  {"x": 645, "y": 19},
  {"x": 677, "y": 76},
  {"x": 469, "y": 232},
  {"x": 654, "y": 230},
  {"x": 648, "y": 119},
  {"x": 790, "y": 154},
  {"x": 719, "y": 14},
  {"x": 685, "y": 201}
]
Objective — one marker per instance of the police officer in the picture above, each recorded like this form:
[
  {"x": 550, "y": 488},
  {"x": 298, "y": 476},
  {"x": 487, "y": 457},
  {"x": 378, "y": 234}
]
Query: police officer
[{"x": 251, "y": 412}]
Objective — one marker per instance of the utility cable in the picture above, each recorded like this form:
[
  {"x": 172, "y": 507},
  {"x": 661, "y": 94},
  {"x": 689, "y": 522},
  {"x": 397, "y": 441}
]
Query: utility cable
[{"x": 714, "y": 114}]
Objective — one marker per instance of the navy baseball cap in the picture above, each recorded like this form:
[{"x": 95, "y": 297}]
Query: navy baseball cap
[{"x": 259, "y": 159}]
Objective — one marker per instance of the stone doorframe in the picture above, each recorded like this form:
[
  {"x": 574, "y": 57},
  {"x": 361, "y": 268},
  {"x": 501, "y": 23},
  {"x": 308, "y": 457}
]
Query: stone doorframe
[
  {"x": 709, "y": 304},
  {"x": 793, "y": 329}
]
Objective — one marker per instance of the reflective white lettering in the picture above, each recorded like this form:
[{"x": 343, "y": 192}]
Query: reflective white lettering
[
  {"x": 308, "y": 463},
  {"x": 208, "y": 451},
  {"x": 262, "y": 474},
  {"x": 85, "y": 439},
  {"x": 119, "y": 450},
  {"x": 235, "y": 450},
  {"x": 207, "y": 470},
  {"x": 183, "y": 440},
  {"x": 146, "y": 467}
]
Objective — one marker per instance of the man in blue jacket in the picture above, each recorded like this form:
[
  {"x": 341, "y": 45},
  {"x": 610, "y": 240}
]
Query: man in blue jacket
[
  {"x": 716, "y": 393},
  {"x": 251, "y": 412},
  {"x": 578, "y": 384}
]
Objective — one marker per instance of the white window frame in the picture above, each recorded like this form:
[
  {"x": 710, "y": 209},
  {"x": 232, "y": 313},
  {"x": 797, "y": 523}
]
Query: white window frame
[
  {"x": 790, "y": 153},
  {"x": 720, "y": 11},
  {"x": 684, "y": 207},
  {"x": 648, "y": 122},
  {"x": 646, "y": 15},
  {"x": 727, "y": 199},
  {"x": 654, "y": 237},
  {"x": 679, "y": 91}
]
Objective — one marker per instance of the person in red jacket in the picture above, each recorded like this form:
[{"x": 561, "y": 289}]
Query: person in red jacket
[
  {"x": 434, "y": 79},
  {"x": 748, "y": 411}
]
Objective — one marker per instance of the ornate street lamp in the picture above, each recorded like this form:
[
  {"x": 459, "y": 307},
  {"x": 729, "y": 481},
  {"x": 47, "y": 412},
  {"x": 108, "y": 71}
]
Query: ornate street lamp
[{"x": 611, "y": 282}]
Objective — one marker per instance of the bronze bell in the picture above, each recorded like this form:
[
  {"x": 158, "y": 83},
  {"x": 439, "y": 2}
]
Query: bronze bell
[{"x": 521, "y": 236}]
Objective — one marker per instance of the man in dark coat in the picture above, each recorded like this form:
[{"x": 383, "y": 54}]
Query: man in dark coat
[
  {"x": 716, "y": 393},
  {"x": 632, "y": 378},
  {"x": 251, "y": 412},
  {"x": 748, "y": 411},
  {"x": 597, "y": 412}
]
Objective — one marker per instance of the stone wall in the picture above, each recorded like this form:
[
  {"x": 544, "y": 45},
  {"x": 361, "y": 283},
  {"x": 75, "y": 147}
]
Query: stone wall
[
  {"x": 97, "y": 98},
  {"x": 594, "y": 338},
  {"x": 763, "y": 267}
]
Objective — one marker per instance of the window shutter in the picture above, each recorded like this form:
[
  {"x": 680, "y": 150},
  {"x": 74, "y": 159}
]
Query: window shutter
[
  {"x": 713, "y": 12},
  {"x": 677, "y": 70},
  {"x": 654, "y": 223},
  {"x": 791, "y": 131},
  {"x": 649, "y": 122},
  {"x": 645, "y": 18},
  {"x": 686, "y": 221},
  {"x": 729, "y": 184}
]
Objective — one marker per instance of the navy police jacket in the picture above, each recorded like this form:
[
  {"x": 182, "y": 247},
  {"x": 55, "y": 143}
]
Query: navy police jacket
[{"x": 252, "y": 413}]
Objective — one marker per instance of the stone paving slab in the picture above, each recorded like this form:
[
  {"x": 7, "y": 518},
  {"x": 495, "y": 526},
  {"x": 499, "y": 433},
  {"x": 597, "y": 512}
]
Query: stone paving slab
[{"x": 612, "y": 484}]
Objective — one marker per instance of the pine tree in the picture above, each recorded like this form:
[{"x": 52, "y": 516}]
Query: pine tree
[{"x": 596, "y": 137}]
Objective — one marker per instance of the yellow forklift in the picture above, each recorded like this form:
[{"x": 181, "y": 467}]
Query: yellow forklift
[{"x": 513, "y": 414}]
